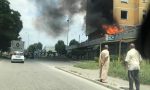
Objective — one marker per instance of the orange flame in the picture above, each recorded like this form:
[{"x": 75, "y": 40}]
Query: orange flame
[{"x": 112, "y": 29}]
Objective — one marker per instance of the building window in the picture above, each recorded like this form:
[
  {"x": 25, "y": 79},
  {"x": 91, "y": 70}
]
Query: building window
[
  {"x": 124, "y": 1},
  {"x": 124, "y": 14}
]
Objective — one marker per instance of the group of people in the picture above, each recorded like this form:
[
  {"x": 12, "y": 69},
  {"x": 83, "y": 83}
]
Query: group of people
[{"x": 132, "y": 60}]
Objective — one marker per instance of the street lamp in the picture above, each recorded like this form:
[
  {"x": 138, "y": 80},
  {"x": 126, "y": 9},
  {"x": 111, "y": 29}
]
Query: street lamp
[{"x": 68, "y": 32}]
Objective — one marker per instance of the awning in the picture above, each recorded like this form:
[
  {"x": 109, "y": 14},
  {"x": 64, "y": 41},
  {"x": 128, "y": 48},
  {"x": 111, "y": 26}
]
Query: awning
[{"x": 123, "y": 40}]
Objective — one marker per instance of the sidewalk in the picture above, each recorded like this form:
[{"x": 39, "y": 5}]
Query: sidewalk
[{"x": 93, "y": 75}]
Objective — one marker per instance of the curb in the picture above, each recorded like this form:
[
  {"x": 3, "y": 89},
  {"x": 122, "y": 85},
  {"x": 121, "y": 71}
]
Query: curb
[{"x": 97, "y": 82}]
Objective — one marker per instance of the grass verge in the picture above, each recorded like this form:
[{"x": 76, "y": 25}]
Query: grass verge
[
  {"x": 87, "y": 65},
  {"x": 118, "y": 70}
]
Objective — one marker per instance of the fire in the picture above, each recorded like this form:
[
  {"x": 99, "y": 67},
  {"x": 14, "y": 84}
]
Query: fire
[{"x": 112, "y": 29}]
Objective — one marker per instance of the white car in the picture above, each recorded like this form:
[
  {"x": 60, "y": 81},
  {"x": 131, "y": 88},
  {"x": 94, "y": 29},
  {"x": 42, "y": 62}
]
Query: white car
[{"x": 17, "y": 56}]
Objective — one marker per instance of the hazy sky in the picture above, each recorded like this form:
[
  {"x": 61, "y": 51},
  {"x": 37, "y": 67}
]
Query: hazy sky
[{"x": 31, "y": 35}]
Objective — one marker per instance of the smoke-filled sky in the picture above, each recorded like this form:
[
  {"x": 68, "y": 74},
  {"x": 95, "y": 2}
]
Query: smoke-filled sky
[
  {"x": 46, "y": 20},
  {"x": 52, "y": 14}
]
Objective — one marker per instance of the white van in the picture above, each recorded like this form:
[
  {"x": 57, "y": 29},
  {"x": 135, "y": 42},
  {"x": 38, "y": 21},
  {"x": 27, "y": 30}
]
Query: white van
[{"x": 17, "y": 56}]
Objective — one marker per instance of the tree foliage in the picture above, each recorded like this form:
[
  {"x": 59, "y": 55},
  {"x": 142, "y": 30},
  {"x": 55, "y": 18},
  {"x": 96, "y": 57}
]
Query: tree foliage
[
  {"x": 10, "y": 24},
  {"x": 73, "y": 42},
  {"x": 35, "y": 47},
  {"x": 60, "y": 47},
  {"x": 49, "y": 52}
]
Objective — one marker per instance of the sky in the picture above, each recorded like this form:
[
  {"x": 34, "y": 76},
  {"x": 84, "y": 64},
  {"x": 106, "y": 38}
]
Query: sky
[{"x": 31, "y": 35}]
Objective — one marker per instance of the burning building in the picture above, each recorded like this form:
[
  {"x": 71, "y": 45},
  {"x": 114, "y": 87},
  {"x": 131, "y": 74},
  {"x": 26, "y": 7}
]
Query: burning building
[
  {"x": 112, "y": 22},
  {"x": 99, "y": 12},
  {"x": 119, "y": 14}
]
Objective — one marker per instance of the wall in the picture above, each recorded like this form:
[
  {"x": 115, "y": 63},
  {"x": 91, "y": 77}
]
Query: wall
[{"x": 131, "y": 7}]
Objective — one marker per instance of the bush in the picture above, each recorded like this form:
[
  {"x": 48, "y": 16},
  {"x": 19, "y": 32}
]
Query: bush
[
  {"x": 113, "y": 57},
  {"x": 117, "y": 69},
  {"x": 145, "y": 72}
]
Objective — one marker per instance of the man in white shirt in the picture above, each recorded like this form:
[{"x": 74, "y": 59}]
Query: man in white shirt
[{"x": 133, "y": 59}]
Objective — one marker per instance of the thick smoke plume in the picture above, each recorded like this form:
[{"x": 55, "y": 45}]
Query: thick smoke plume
[
  {"x": 53, "y": 14},
  {"x": 99, "y": 12}
]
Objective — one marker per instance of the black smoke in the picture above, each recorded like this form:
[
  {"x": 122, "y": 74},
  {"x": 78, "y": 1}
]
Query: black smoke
[
  {"x": 53, "y": 14},
  {"x": 99, "y": 12}
]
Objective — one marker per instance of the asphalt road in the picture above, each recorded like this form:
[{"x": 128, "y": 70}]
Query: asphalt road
[{"x": 38, "y": 75}]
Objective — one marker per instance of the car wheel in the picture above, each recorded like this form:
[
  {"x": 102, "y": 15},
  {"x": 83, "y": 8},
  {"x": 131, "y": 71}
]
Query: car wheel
[{"x": 12, "y": 62}]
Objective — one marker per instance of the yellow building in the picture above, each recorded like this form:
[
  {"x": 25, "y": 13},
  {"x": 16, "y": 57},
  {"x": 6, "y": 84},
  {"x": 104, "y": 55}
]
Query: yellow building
[{"x": 130, "y": 12}]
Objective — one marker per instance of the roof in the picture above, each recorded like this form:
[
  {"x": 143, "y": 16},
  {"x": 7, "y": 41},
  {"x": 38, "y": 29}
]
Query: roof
[{"x": 123, "y": 40}]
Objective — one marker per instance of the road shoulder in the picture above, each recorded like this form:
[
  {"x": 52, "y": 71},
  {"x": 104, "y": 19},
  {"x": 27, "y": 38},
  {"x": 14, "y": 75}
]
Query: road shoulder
[{"x": 93, "y": 75}]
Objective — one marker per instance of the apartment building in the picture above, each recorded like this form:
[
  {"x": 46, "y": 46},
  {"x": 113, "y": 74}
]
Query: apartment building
[{"x": 130, "y": 12}]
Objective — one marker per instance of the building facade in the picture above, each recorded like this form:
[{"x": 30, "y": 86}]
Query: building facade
[{"x": 130, "y": 12}]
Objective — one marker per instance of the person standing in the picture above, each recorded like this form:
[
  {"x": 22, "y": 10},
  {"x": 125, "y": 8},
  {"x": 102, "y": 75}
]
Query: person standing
[
  {"x": 132, "y": 60},
  {"x": 104, "y": 60}
]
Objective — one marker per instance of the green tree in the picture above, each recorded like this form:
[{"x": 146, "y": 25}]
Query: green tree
[
  {"x": 35, "y": 47},
  {"x": 10, "y": 25},
  {"x": 60, "y": 47},
  {"x": 49, "y": 52},
  {"x": 73, "y": 42},
  {"x": 31, "y": 48},
  {"x": 38, "y": 46}
]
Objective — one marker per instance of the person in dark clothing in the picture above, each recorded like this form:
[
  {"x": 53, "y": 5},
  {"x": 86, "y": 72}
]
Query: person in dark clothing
[{"x": 142, "y": 43}]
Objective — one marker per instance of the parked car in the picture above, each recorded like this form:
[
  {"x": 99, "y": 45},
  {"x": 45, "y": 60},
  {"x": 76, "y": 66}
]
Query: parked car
[{"x": 17, "y": 56}]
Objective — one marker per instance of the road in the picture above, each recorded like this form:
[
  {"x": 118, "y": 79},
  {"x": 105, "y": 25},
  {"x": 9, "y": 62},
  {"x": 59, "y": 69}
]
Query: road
[{"x": 38, "y": 75}]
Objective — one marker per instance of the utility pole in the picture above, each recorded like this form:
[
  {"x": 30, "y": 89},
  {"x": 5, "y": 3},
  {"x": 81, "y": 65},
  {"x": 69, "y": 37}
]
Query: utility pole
[
  {"x": 38, "y": 36},
  {"x": 79, "y": 38},
  {"x": 28, "y": 39},
  {"x": 119, "y": 58},
  {"x": 27, "y": 45},
  {"x": 68, "y": 32}
]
